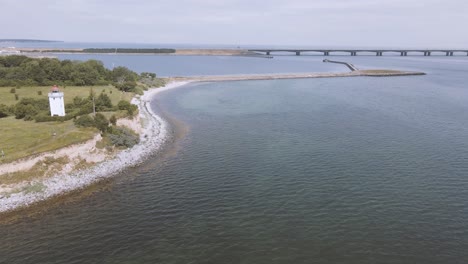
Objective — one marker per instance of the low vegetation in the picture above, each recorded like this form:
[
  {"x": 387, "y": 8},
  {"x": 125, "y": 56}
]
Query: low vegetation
[
  {"x": 26, "y": 127},
  {"x": 44, "y": 168}
]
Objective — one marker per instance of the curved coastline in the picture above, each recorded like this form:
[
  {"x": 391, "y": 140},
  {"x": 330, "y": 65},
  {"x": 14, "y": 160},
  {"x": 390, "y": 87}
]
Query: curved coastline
[{"x": 154, "y": 134}]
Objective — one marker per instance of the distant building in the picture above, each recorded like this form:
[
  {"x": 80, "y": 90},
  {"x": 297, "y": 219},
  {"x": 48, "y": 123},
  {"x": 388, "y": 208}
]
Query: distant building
[{"x": 56, "y": 102}]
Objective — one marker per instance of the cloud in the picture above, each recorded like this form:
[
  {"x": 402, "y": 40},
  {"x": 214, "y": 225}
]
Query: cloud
[{"x": 300, "y": 22}]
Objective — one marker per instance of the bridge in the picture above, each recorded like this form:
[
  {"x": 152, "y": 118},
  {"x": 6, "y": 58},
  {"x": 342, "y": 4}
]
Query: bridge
[{"x": 378, "y": 52}]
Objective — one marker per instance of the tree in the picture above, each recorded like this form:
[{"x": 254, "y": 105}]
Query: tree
[
  {"x": 84, "y": 74},
  {"x": 124, "y": 79},
  {"x": 127, "y": 86},
  {"x": 101, "y": 122},
  {"x": 103, "y": 102},
  {"x": 123, "y": 74}
]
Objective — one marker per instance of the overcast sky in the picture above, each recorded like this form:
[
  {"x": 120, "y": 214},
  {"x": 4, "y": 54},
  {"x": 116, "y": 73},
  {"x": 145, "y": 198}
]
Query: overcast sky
[{"x": 354, "y": 23}]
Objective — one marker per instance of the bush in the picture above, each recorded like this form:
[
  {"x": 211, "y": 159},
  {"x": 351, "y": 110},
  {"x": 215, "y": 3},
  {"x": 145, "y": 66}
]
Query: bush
[
  {"x": 25, "y": 111},
  {"x": 4, "y": 111},
  {"x": 39, "y": 92},
  {"x": 103, "y": 102},
  {"x": 113, "y": 120},
  {"x": 44, "y": 117},
  {"x": 123, "y": 105},
  {"x": 123, "y": 137},
  {"x": 12, "y": 90},
  {"x": 127, "y": 86},
  {"x": 16, "y": 97},
  {"x": 101, "y": 122},
  {"x": 84, "y": 121}
]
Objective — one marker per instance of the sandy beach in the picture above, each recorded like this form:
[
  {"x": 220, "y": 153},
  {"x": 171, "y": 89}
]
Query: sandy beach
[{"x": 153, "y": 133}]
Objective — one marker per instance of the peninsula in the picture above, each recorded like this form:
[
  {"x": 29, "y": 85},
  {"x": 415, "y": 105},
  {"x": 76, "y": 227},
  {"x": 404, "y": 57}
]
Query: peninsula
[{"x": 23, "y": 181}]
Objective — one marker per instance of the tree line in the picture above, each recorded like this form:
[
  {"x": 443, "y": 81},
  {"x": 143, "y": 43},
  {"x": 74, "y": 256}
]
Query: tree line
[{"x": 18, "y": 70}]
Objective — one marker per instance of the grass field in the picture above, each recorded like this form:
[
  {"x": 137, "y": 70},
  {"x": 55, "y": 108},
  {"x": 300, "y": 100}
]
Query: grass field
[
  {"x": 19, "y": 138},
  {"x": 70, "y": 92}
]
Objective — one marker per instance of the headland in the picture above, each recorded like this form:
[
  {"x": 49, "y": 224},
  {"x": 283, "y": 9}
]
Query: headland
[{"x": 153, "y": 133}]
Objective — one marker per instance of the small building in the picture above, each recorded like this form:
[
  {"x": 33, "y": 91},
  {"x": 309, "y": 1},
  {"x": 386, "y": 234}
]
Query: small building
[{"x": 56, "y": 102}]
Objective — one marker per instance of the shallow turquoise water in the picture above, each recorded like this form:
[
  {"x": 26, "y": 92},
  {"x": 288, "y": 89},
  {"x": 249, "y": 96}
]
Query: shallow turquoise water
[{"x": 343, "y": 170}]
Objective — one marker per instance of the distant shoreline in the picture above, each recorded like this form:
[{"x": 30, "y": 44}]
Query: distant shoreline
[{"x": 135, "y": 51}]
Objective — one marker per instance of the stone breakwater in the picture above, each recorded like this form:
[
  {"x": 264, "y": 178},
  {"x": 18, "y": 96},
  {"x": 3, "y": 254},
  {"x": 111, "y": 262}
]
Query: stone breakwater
[{"x": 154, "y": 134}]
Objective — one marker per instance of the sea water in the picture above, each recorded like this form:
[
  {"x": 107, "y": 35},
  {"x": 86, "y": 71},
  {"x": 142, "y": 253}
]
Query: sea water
[{"x": 337, "y": 170}]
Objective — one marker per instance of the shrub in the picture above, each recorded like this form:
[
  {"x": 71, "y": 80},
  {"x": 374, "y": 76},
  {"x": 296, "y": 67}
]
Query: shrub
[
  {"x": 101, "y": 122},
  {"x": 103, "y": 102},
  {"x": 113, "y": 120},
  {"x": 16, "y": 97},
  {"x": 45, "y": 117},
  {"x": 25, "y": 111},
  {"x": 123, "y": 137},
  {"x": 123, "y": 105},
  {"x": 3, "y": 111},
  {"x": 39, "y": 92},
  {"x": 127, "y": 86},
  {"x": 12, "y": 90},
  {"x": 132, "y": 110},
  {"x": 84, "y": 121}
]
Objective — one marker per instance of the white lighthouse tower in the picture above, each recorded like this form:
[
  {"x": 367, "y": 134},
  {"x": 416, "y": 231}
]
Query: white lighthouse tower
[{"x": 57, "y": 105}]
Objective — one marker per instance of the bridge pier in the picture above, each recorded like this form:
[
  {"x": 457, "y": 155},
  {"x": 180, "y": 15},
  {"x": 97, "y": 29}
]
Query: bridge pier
[{"x": 378, "y": 52}]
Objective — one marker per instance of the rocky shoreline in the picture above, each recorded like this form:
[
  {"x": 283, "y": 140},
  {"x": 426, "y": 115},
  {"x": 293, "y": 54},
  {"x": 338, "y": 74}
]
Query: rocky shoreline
[{"x": 154, "y": 132}]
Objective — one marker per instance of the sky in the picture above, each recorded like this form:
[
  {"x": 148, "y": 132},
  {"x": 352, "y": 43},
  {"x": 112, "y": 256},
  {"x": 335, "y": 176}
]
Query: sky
[{"x": 314, "y": 23}]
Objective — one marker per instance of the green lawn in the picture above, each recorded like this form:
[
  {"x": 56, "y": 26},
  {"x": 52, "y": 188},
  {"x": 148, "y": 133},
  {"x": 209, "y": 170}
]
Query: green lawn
[
  {"x": 19, "y": 138},
  {"x": 70, "y": 92}
]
